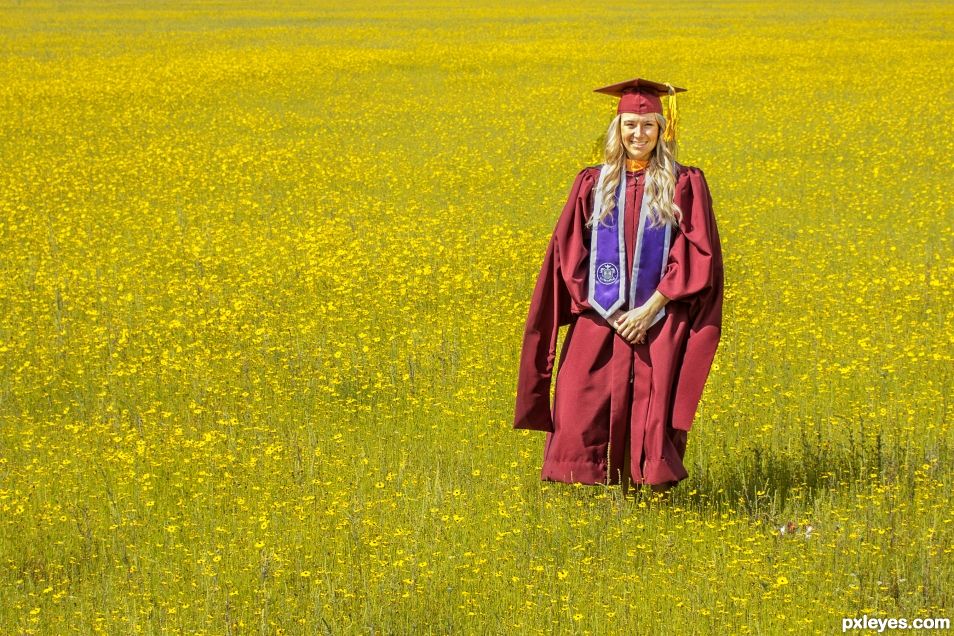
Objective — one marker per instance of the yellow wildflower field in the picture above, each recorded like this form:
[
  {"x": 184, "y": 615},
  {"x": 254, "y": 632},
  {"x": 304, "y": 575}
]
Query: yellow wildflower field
[{"x": 263, "y": 279}]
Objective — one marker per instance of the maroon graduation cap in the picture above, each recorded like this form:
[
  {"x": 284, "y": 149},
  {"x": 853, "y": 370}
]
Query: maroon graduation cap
[{"x": 644, "y": 96}]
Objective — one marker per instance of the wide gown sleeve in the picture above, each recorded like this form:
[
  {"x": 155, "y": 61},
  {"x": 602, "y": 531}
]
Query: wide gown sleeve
[
  {"x": 559, "y": 295},
  {"x": 695, "y": 275}
]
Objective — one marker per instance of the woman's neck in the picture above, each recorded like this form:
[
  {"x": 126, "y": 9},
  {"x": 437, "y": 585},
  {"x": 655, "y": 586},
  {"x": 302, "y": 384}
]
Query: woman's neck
[{"x": 636, "y": 164}]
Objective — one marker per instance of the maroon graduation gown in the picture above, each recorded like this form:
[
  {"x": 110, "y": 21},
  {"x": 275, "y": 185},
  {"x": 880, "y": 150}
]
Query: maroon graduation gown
[{"x": 609, "y": 392}]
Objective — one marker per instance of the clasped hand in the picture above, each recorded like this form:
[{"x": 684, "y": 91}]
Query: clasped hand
[{"x": 633, "y": 324}]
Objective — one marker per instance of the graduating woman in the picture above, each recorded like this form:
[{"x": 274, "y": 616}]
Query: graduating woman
[{"x": 634, "y": 267}]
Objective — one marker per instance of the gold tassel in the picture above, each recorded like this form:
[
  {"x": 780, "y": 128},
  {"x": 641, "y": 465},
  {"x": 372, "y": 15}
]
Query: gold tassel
[{"x": 672, "y": 117}]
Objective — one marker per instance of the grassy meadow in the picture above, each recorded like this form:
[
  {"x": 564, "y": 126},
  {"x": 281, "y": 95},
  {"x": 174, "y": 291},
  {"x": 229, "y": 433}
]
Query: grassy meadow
[{"x": 263, "y": 279}]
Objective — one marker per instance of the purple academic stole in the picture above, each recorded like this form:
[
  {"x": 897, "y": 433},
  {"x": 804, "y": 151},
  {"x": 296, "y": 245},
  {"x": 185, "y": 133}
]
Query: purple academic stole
[{"x": 607, "y": 289}]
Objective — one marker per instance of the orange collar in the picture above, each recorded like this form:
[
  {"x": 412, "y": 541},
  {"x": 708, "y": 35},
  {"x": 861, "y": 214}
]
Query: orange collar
[{"x": 634, "y": 165}]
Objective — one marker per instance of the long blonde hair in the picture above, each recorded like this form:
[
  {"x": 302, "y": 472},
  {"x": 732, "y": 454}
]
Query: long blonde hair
[{"x": 660, "y": 179}]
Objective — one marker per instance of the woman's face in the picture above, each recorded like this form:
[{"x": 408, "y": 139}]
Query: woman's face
[{"x": 639, "y": 133}]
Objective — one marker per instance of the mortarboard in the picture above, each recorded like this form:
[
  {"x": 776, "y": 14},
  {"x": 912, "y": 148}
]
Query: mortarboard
[{"x": 643, "y": 96}]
